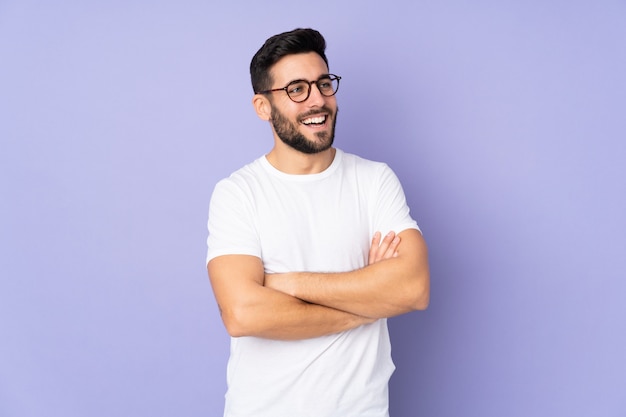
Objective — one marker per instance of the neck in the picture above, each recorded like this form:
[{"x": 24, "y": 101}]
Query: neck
[{"x": 290, "y": 161}]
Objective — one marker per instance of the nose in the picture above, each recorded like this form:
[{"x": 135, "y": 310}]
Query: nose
[{"x": 316, "y": 98}]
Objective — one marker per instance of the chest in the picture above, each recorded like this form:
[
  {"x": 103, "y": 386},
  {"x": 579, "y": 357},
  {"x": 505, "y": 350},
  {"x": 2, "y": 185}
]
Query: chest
[{"x": 322, "y": 227}]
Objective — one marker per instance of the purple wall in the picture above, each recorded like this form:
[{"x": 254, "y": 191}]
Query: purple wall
[{"x": 505, "y": 122}]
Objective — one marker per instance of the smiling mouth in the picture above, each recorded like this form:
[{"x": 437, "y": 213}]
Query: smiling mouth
[{"x": 314, "y": 121}]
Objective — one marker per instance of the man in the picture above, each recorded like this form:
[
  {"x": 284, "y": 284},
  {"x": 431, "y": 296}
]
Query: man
[{"x": 303, "y": 277}]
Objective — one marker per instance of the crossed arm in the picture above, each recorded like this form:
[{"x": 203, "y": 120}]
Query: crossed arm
[{"x": 303, "y": 305}]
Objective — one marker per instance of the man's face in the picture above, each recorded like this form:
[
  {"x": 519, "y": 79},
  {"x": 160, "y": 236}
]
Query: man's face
[{"x": 308, "y": 127}]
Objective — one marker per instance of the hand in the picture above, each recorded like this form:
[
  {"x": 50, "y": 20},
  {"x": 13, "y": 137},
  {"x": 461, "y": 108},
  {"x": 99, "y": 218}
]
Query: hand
[
  {"x": 381, "y": 249},
  {"x": 385, "y": 249}
]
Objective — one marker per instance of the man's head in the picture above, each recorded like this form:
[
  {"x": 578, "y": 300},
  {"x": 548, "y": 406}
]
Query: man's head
[{"x": 302, "y": 115}]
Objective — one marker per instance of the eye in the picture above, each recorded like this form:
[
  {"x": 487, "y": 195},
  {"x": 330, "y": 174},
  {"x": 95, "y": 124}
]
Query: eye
[
  {"x": 296, "y": 89},
  {"x": 325, "y": 84}
]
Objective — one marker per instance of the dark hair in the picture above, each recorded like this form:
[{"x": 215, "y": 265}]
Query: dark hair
[{"x": 278, "y": 46}]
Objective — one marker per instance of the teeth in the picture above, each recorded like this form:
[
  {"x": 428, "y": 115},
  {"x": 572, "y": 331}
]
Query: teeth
[{"x": 316, "y": 120}]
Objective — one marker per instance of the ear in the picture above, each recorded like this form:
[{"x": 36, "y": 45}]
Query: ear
[{"x": 262, "y": 106}]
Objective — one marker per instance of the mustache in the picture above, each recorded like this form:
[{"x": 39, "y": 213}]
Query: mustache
[{"x": 323, "y": 109}]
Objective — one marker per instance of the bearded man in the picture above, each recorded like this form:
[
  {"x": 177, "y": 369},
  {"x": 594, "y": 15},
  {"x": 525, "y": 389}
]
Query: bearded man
[{"x": 302, "y": 275}]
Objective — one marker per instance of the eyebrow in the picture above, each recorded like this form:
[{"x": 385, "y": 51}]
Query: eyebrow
[{"x": 321, "y": 77}]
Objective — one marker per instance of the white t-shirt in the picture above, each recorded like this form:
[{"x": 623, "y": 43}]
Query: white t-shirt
[{"x": 317, "y": 223}]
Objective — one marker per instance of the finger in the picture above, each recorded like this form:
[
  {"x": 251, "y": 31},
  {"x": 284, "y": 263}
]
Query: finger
[
  {"x": 374, "y": 248},
  {"x": 386, "y": 243},
  {"x": 392, "y": 249}
]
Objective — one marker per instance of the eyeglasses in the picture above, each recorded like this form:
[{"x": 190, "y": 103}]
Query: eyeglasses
[{"x": 300, "y": 90}]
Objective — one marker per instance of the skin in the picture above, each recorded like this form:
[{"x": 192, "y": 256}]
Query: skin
[
  {"x": 385, "y": 288},
  {"x": 301, "y": 305},
  {"x": 283, "y": 157},
  {"x": 249, "y": 308}
]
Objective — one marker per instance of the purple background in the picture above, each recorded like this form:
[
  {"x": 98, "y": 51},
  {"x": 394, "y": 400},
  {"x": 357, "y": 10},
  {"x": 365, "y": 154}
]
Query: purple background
[{"x": 505, "y": 121}]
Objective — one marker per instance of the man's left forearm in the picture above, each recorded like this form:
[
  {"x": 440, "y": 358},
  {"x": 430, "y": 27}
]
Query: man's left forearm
[{"x": 384, "y": 289}]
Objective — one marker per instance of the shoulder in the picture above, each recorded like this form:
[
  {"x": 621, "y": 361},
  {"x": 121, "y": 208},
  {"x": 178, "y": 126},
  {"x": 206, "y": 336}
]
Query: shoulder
[
  {"x": 365, "y": 166},
  {"x": 243, "y": 178},
  {"x": 247, "y": 172}
]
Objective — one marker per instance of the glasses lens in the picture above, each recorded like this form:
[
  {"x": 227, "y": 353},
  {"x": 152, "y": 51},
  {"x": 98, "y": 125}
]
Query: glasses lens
[
  {"x": 298, "y": 90},
  {"x": 328, "y": 86}
]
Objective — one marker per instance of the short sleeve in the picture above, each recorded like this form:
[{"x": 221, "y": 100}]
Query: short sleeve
[
  {"x": 231, "y": 224},
  {"x": 391, "y": 211}
]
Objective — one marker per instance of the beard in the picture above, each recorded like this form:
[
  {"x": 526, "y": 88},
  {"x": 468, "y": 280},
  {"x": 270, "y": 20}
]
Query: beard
[{"x": 288, "y": 132}]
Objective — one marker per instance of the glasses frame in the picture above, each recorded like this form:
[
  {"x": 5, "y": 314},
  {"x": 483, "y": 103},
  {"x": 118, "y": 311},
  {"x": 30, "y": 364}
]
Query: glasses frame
[{"x": 331, "y": 77}]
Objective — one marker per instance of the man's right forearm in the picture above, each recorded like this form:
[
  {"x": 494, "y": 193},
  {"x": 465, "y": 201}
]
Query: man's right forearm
[
  {"x": 283, "y": 317},
  {"x": 248, "y": 308}
]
